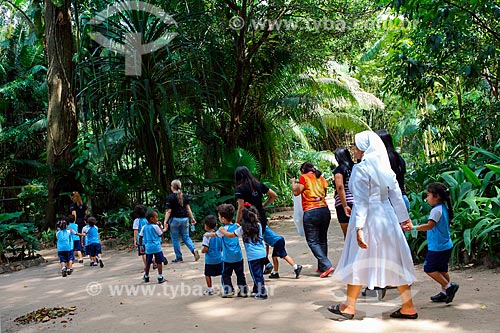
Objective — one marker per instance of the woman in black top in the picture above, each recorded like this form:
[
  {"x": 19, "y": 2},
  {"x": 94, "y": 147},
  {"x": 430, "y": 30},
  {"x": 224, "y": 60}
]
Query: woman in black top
[
  {"x": 78, "y": 210},
  {"x": 249, "y": 189},
  {"x": 398, "y": 164},
  {"x": 343, "y": 196},
  {"x": 179, "y": 213}
]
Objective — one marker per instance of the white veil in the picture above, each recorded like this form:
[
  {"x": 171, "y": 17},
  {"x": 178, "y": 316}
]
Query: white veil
[{"x": 375, "y": 155}]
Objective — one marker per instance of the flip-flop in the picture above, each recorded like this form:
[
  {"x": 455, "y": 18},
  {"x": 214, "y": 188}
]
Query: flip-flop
[
  {"x": 336, "y": 310},
  {"x": 398, "y": 314}
]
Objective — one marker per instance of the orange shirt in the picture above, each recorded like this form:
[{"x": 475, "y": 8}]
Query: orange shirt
[{"x": 314, "y": 192}]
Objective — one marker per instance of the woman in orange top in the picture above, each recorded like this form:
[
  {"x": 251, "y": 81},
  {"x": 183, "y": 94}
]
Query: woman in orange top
[{"x": 312, "y": 186}]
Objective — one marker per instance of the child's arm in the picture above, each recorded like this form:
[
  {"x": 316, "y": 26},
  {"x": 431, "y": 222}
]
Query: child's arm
[
  {"x": 227, "y": 234},
  {"x": 421, "y": 227},
  {"x": 140, "y": 240},
  {"x": 135, "y": 236}
]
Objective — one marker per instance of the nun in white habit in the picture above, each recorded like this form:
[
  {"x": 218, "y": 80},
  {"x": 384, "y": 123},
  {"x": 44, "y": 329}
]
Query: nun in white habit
[{"x": 375, "y": 252}]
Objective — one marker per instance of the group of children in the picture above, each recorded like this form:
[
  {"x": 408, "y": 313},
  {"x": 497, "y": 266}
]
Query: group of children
[
  {"x": 221, "y": 247},
  {"x": 70, "y": 241}
]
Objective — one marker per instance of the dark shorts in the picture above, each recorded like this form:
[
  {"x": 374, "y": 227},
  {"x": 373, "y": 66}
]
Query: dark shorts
[
  {"x": 213, "y": 269},
  {"x": 93, "y": 249},
  {"x": 158, "y": 258},
  {"x": 437, "y": 261},
  {"x": 139, "y": 253},
  {"x": 279, "y": 249},
  {"x": 66, "y": 256},
  {"x": 341, "y": 214},
  {"x": 77, "y": 245}
]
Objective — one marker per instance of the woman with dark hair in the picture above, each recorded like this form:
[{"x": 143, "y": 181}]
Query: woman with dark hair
[
  {"x": 251, "y": 190},
  {"x": 343, "y": 196},
  {"x": 398, "y": 164},
  {"x": 78, "y": 209},
  {"x": 312, "y": 187}
]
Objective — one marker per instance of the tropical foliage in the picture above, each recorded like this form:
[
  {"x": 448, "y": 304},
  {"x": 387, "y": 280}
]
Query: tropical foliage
[{"x": 264, "y": 84}]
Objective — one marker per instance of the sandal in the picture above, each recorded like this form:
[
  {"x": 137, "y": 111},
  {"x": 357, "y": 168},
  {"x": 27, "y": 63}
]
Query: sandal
[
  {"x": 398, "y": 314},
  {"x": 336, "y": 310}
]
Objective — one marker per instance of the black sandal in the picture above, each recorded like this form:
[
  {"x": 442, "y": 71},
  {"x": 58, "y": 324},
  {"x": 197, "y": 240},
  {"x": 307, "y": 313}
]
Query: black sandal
[
  {"x": 336, "y": 310},
  {"x": 398, "y": 314}
]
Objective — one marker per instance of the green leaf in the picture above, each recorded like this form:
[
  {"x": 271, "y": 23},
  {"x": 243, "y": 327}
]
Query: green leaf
[
  {"x": 494, "y": 168},
  {"x": 471, "y": 176},
  {"x": 422, "y": 246},
  {"x": 467, "y": 240},
  {"x": 486, "y": 231},
  {"x": 58, "y": 3}
]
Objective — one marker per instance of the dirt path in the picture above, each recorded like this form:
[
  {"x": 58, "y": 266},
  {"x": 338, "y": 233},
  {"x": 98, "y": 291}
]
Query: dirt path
[{"x": 294, "y": 305}]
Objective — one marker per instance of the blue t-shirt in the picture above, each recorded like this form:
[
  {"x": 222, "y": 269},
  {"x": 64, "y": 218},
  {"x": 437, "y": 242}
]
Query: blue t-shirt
[
  {"x": 214, "y": 254},
  {"x": 270, "y": 237},
  {"x": 65, "y": 240},
  {"x": 141, "y": 222},
  {"x": 438, "y": 238},
  {"x": 231, "y": 250},
  {"x": 255, "y": 250},
  {"x": 151, "y": 238},
  {"x": 74, "y": 226},
  {"x": 92, "y": 235}
]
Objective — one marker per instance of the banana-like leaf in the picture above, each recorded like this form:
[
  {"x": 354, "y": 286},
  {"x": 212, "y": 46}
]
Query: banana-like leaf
[
  {"x": 422, "y": 246},
  {"x": 467, "y": 241},
  {"x": 494, "y": 168},
  {"x": 471, "y": 176}
]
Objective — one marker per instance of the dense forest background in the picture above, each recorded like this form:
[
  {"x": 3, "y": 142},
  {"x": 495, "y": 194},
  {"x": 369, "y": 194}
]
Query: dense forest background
[{"x": 266, "y": 84}]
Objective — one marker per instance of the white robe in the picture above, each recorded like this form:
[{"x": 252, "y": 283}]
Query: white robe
[{"x": 387, "y": 261}]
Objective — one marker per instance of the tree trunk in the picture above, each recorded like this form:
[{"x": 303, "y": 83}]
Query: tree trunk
[{"x": 61, "y": 113}]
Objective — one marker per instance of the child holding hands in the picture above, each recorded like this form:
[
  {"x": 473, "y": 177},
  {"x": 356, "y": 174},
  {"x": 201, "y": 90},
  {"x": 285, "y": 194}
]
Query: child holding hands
[
  {"x": 212, "y": 247},
  {"x": 439, "y": 241}
]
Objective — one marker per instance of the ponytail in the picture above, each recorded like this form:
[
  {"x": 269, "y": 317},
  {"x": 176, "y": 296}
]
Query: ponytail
[
  {"x": 444, "y": 193},
  {"x": 176, "y": 186},
  {"x": 309, "y": 167}
]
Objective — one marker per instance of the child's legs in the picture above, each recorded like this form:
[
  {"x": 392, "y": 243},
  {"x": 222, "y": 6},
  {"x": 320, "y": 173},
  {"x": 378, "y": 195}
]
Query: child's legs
[
  {"x": 159, "y": 260},
  {"x": 240, "y": 275},
  {"x": 436, "y": 266},
  {"x": 208, "y": 279},
  {"x": 255, "y": 267},
  {"x": 174, "y": 235},
  {"x": 227, "y": 271},
  {"x": 71, "y": 258},
  {"x": 276, "y": 264},
  {"x": 289, "y": 260},
  {"x": 144, "y": 259},
  {"x": 149, "y": 261}
]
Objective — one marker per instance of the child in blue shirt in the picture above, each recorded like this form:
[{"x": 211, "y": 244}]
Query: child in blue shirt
[
  {"x": 232, "y": 256},
  {"x": 93, "y": 244},
  {"x": 251, "y": 232},
  {"x": 212, "y": 247},
  {"x": 150, "y": 237},
  {"x": 277, "y": 242},
  {"x": 439, "y": 243},
  {"x": 139, "y": 222},
  {"x": 77, "y": 242},
  {"x": 65, "y": 248}
]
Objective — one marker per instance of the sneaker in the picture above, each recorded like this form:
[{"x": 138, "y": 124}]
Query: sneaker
[
  {"x": 438, "y": 298},
  {"x": 177, "y": 260},
  {"x": 145, "y": 278},
  {"x": 260, "y": 296},
  {"x": 268, "y": 269},
  {"x": 274, "y": 275},
  {"x": 297, "y": 271},
  {"x": 208, "y": 292},
  {"x": 242, "y": 294},
  {"x": 327, "y": 272},
  {"x": 64, "y": 271},
  {"x": 228, "y": 295},
  {"x": 450, "y": 292},
  {"x": 80, "y": 261},
  {"x": 165, "y": 261},
  {"x": 161, "y": 280},
  {"x": 69, "y": 271},
  {"x": 196, "y": 255},
  {"x": 100, "y": 263}
]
